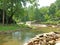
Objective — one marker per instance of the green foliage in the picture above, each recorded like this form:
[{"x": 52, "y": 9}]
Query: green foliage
[
  {"x": 47, "y": 17},
  {"x": 16, "y": 10},
  {"x": 57, "y": 14},
  {"x": 57, "y": 4}
]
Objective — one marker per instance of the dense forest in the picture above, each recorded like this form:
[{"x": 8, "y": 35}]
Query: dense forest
[{"x": 12, "y": 11}]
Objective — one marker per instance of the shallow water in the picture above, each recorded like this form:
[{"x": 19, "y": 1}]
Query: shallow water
[
  {"x": 16, "y": 38},
  {"x": 23, "y": 36}
]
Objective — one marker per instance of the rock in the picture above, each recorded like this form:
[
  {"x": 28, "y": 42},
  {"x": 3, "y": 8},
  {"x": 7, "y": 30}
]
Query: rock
[
  {"x": 26, "y": 44},
  {"x": 30, "y": 43},
  {"x": 58, "y": 35},
  {"x": 51, "y": 38},
  {"x": 52, "y": 42},
  {"x": 57, "y": 42},
  {"x": 39, "y": 35}
]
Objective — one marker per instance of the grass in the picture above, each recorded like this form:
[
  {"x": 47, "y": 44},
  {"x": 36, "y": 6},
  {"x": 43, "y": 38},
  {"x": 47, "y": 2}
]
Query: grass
[{"x": 8, "y": 27}]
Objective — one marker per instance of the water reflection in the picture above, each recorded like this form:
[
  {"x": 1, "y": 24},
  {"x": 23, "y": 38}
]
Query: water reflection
[
  {"x": 16, "y": 38},
  {"x": 16, "y": 35},
  {"x": 27, "y": 36}
]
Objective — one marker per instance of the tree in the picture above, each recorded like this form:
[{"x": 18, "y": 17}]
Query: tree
[
  {"x": 57, "y": 15},
  {"x": 13, "y": 8},
  {"x": 43, "y": 12},
  {"x": 57, "y": 4}
]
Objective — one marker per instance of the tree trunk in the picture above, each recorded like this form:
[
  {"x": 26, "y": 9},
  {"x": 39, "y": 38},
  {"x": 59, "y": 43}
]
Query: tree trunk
[
  {"x": 10, "y": 20},
  {"x": 3, "y": 17}
]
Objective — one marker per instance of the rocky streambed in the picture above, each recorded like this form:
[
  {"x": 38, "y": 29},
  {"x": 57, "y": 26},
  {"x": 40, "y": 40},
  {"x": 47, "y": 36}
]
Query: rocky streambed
[{"x": 51, "y": 38}]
